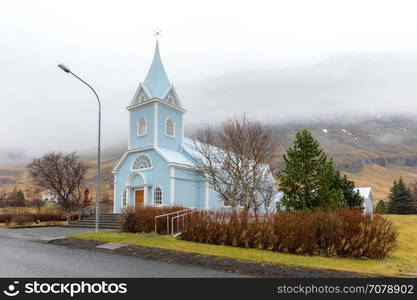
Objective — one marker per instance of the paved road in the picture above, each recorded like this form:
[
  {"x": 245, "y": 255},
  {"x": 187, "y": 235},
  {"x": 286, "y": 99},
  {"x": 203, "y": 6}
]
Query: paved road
[{"x": 22, "y": 255}]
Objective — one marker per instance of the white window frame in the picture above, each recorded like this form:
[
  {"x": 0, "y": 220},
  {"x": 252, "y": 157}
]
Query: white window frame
[
  {"x": 173, "y": 127},
  {"x": 145, "y": 131},
  {"x": 141, "y": 169},
  {"x": 153, "y": 195},
  {"x": 124, "y": 197}
]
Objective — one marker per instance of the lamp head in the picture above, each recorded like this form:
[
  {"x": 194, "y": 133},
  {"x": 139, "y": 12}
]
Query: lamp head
[{"x": 64, "y": 68}]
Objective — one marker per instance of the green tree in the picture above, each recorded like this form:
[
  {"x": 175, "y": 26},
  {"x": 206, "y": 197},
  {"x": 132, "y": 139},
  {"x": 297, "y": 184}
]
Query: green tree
[
  {"x": 308, "y": 178},
  {"x": 16, "y": 197},
  {"x": 400, "y": 201},
  {"x": 351, "y": 197},
  {"x": 381, "y": 207},
  {"x": 413, "y": 204}
]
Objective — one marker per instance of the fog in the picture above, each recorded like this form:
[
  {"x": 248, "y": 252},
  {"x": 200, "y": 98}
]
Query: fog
[{"x": 278, "y": 61}]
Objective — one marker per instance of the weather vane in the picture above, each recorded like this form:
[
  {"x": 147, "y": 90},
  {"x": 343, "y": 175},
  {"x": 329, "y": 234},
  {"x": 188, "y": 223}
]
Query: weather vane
[{"x": 157, "y": 32}]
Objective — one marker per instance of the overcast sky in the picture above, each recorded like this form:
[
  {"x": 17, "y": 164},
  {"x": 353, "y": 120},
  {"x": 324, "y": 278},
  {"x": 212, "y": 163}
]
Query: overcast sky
[{"x": 110, "y": 44}]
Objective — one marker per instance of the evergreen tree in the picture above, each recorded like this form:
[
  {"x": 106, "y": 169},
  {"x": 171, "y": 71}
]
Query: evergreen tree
[
  {"x": 351, "y": 197},
  {"x": 380, "y": 207},
  {"x": 413, "y": 205},
  {"x": 16, "y": 197},
  {"x": 309, "y": 176},
  {"x": 400, "y": 201}
]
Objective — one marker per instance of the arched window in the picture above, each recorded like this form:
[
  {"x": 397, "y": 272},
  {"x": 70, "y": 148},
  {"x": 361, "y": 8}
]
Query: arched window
[
  {"x": 124, "y": 198},
  {"x": 157, "y": 195},
  {"x": 142, "y": 162},
  {"x": 170, "y": 127},
  {"x": 142, "y": 98},
  {"x": 170, "y": 100},
  {"x": 142, "y": 126}
]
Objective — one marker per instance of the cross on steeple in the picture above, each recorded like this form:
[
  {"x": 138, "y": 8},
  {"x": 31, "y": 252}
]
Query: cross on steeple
[{"x": 157, "y": 32}]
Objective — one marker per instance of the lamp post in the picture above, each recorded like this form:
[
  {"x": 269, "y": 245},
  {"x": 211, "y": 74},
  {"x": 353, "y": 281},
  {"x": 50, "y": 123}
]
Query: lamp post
[{"x": 67, "y": 70}]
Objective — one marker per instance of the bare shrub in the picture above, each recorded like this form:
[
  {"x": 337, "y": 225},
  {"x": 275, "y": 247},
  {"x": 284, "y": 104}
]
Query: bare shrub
[
  {"x": 330, "y": 233},
  {"x": 143, "y": 219},
  {"x": 129, "y": 221}
]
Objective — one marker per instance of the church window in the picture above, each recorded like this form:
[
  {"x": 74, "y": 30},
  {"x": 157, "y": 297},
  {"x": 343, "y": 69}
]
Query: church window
[
  {"x": 170, "y": 100},
  {"x": 170, "y": 127},
  {"x": 142, "y": 98},
  {"x": 142, "y": 126},
  {"x": 124, "y": 198},
  {"x": 142, "y": 162},
  {"x": 157, "y": 195}
]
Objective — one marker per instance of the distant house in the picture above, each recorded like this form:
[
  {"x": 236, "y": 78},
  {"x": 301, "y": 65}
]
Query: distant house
[
  {"x": 365, "y": 192},
  {"x": 50, "y": 198}
]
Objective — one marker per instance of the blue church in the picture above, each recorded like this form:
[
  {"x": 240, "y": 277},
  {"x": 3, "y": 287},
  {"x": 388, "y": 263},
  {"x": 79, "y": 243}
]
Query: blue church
[{"x": 156, "y": 170}]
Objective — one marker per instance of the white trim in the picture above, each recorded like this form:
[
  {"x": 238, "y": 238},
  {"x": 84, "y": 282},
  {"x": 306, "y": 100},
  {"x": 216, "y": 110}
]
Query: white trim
[
  {"x": 206, "y": 195},
  {"x": 174, "y": 92},
  {"x": 182, "y": 132},
  {"x": 182, "y": 166},
  {"x": 173, "y": 127},
  {"x": 153, "y": 194},
  {"x": 119, "y": 162},
  {"x": 129, "y": 145},
  {"x": 125, "y": 190},
  {"x": 143, "y": 87},
  {"x": 177, "y": 165},
  {"x": 114, "y": 192},
  {"x": 146, "y": 126},
  {"x": 164, "y": 94},
  {"x": 155, "y": 124},
  {"x": 172, "y": 183},
  {"x": 143, "y": 169},
  {"x": 132, "y": 175},
  {"x": 156, "y": 100}
]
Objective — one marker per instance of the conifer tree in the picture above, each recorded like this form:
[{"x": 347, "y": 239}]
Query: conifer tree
[
  {"x": 380, "y": 207},
  {"x": 308, "y": 176},
  {"x": 400, "y": 201},
  {"x": 310, "y": 180},
  {"x": 351, "y": 197}
]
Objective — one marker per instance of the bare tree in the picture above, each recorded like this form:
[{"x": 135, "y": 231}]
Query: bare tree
[
  {"x": 234, "y": 159},
  {"x": 63, "y": 174},
  {"x": 35, "y": 198}
]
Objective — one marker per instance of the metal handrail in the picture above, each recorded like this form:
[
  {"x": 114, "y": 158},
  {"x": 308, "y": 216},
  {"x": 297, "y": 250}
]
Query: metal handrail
[
  {"x": 168, "y": 216},
  {"x": 178, "y": 217},
  {"x": 78, "y": 212}
]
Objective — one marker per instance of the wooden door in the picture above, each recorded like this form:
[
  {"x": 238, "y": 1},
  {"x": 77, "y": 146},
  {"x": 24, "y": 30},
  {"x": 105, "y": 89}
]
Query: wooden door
[{"x": 139, "y": 198}]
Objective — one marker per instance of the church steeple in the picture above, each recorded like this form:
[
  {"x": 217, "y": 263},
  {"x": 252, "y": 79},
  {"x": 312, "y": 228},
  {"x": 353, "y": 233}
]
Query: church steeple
[{"x": 156, "y": 81}]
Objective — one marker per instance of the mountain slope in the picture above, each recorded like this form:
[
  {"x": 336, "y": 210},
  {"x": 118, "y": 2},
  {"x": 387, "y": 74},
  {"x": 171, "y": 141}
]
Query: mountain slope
[{"x": 373, "y": 153}]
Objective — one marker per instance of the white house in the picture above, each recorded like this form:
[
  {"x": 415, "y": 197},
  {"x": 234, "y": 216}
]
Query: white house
[
  {"x": 50, "y": 198},
  {"x": 366, "y": 193}
]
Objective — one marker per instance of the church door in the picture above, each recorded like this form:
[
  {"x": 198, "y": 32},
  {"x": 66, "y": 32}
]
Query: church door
[{"x": 139, "y": 198}]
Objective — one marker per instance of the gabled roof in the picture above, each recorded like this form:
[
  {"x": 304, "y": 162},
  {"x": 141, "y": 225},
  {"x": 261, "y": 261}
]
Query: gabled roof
[
  {"x": 365, "y": 192},
  {"x": 170, "y": 156},
  {"x": 175, "y": 157},
  {"x": 156, "y": 81}
]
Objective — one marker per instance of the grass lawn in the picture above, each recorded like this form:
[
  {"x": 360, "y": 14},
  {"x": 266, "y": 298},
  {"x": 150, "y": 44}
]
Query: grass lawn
[{"x": 404, "y": 258}]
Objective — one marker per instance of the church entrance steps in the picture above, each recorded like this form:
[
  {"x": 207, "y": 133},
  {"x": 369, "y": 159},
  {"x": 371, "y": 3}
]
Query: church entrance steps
[{"x": 106, "y": 221}]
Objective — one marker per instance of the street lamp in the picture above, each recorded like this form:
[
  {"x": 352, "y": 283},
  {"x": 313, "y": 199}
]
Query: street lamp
[{"x": 67, "y": 70}]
